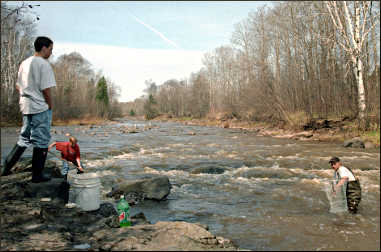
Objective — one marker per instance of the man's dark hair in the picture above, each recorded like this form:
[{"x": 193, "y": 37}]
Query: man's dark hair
[
  {"x": 41, "y": 42},
  {"x": 334, "y": 160}
]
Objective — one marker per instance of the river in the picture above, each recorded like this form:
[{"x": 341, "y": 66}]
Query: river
[{"x": 262, "y": 193}]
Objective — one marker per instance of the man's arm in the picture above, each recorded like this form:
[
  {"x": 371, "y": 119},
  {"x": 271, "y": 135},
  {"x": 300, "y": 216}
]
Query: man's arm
[
  {"x": 48, "y": 98},
  {"x": 341, "y": 182},
  {"x": 79, "y": 164}
]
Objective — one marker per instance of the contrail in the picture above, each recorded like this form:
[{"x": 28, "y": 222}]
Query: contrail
[{"x": 156, "y": 31}]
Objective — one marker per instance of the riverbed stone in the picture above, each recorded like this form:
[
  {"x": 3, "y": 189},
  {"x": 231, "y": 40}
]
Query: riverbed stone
[
  {"x": 25, "y": 165},
  {"x": 303, "y": 134},
  {"x": 157, "y": 188},
  {"x": 55, "y": 188},
  {"x": 208, "y": 170},
  {"x": 354, "y": 143}
]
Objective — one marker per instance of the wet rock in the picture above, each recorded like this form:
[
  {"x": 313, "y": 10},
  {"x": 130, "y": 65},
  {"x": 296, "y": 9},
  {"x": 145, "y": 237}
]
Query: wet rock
[
  {"x": 114, "y": 152},
  {"x": 354, "y": 143},
  {"x": 369, "y": 145},
  {"x": 134, "y": 198},
  {"x": 25, "y": 165},
  {"x": 155, "y": 188},
  {"x": 315, "y": 124},
  {"x": 139, "y": 219},
  {"x": 56, "y": 172},
  {"x": 225, "y": 125},
  {"x": 208, "y": 170},
  {"x": 55, "y": 189},
  {"x": 106, "y": 210},
  {"x": 304, "y": 134}
]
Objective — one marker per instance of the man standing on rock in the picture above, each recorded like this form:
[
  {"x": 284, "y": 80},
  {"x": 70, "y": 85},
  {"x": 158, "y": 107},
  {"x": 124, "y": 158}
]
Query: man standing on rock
[{"x": 34, "y": 83}]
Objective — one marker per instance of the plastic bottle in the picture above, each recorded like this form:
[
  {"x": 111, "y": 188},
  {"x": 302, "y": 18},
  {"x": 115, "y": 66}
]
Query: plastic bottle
[{"x": 124, "y": 212}]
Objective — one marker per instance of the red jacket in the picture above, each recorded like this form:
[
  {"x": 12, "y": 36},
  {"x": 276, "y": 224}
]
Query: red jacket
[{"x": 67, "y": 152}]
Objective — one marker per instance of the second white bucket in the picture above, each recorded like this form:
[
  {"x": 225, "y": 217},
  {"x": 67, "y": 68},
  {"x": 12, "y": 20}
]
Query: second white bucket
[{"x": 85, "y": 190}]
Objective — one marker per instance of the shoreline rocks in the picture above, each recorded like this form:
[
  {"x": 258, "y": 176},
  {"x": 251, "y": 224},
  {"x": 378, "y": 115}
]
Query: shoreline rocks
[
  {"x": 318, "y": 130},
  {"x": 35, "y": 216}
]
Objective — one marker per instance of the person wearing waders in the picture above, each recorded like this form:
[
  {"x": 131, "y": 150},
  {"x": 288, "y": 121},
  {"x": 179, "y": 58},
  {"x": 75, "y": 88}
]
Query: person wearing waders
[
  {"x": 69, "y": 153},
  {"x": 353, "y": 189},
  {"x": 34, "y": 82}
]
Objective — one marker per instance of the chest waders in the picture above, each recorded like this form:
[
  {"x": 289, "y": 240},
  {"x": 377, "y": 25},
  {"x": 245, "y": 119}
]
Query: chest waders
[{"x": 353, "y": 193}]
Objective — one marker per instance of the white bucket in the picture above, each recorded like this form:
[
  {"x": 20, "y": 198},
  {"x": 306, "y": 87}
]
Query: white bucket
[{"x": 85, "y": 190}]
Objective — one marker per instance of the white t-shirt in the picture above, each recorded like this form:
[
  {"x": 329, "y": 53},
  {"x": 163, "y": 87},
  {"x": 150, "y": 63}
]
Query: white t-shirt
[
  {"x": 344, "y": 172},
  {"x": 35, "y": 74}
]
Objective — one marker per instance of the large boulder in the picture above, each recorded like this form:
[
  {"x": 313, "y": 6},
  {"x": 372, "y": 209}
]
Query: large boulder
[
  {"x": 25, "y": 165},
  {"x": 156, "y": 188},
  {"x": 56, "y": 188},
  {"x": 354, "y": 143},
  {"x": 13, "y": 189},
  {"x": 165, "y": 236}
]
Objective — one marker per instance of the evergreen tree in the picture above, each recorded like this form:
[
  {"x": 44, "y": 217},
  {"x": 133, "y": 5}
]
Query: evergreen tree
[
  {"x": 102, "y": 97},
  {"x": 150, "y": 111},
  {"x": 102, "y": 93}
]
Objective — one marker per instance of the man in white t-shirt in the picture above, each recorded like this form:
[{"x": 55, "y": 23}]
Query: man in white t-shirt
[
  {"x": 353, "y": 188},
  {"x": 34, "y": 83}
]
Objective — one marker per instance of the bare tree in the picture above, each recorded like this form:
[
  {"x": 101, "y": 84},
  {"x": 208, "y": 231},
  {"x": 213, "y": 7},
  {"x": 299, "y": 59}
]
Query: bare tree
[
  {"x": 17, "y": 31},
  {"x": 353, "y": 36}
]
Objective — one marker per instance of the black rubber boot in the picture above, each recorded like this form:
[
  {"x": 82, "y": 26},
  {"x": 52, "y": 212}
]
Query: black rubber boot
[
  {"x": 12, "y": 159},
  {"x": 38, "y": 164}
]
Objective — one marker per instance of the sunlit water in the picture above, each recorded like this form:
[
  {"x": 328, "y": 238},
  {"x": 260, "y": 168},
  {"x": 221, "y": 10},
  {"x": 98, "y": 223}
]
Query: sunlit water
[{"x": 263, "y": 193}]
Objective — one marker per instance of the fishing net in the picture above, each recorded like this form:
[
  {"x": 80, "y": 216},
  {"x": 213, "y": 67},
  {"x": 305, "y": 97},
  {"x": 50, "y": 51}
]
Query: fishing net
[{"x": 337, "y": 200}]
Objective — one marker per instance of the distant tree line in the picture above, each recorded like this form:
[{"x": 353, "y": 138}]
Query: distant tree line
[
  {"x": 291, "y": 60},
  {"x": 82, "y": 93},
  {"x": 79, "y": 93}
]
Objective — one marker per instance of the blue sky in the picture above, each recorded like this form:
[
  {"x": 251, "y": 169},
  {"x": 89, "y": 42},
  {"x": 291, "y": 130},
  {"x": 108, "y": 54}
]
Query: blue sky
[{"x": 133, "y": 41}]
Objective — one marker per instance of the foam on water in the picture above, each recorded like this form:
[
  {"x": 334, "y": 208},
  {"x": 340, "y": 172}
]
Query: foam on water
[{"x": 170, "y": 173}]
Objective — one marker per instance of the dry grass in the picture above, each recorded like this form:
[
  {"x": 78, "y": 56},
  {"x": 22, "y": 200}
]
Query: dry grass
[
  {"x": 372, "y": 136},
  {"x": 298, "y": 119},
  {"x": 84, "y": 121}
]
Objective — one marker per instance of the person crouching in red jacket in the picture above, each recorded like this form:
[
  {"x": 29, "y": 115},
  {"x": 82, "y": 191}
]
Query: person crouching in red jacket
[{"x": 69, "y": 153}]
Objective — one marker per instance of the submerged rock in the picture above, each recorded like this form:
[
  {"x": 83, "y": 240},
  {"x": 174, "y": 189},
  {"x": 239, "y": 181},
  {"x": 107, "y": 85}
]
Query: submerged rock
[{"x": 208, "y": 170}]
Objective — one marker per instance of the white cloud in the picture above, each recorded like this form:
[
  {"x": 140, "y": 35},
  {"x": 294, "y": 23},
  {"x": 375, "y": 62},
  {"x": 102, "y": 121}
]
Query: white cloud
[{"x": 130, "y": 67}]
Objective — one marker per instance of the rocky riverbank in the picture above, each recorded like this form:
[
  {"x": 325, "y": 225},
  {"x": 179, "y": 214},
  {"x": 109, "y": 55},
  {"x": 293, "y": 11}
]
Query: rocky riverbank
[
  {"x": 335, "y": 131},
  {"x": 35, "y": 217}
]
